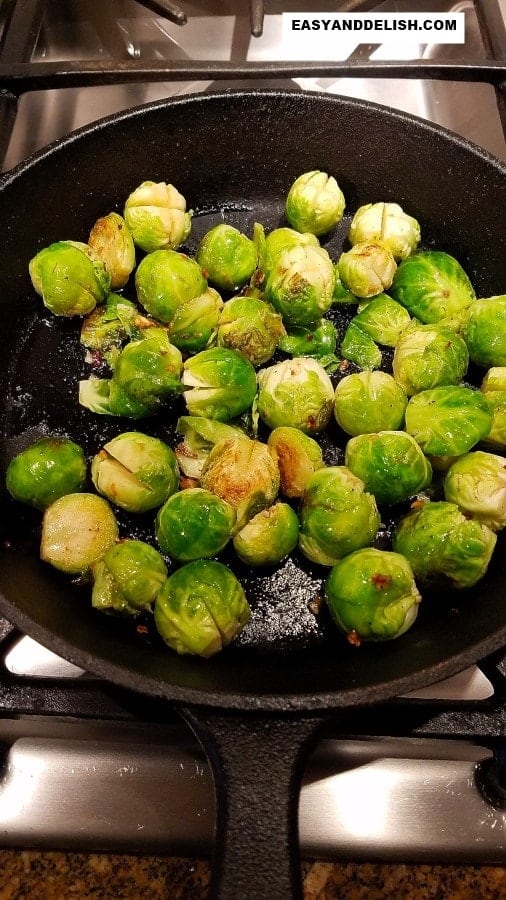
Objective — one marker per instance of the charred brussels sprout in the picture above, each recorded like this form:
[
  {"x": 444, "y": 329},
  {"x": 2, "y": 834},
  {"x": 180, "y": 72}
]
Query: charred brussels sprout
[
  {"x": 244, "y": 473},
  {"x": 251, "y": 326},
  {"x": 109, "y": 326},
  {"x": 444, "y": 546},
  {"x": 199, "y": 437},
  {"x": 476, "y": 483},
  {"x": 164, "y": 280},
  {"x": 433, "y": 286},
  {"x": 484, "y": 331},
  {"x": 367, "y": 269},
  {"x": 298, "y": 456},
  {"x": 45, "y": 471},
  {"x": 390, "y": 463},
  {"x": 383, "y": 319},
  {"x": 427, "y": 356},
  {"x": 70, "y": 278},
  {"x": 337, "y": 516},
  {"x": 219, "y": 384},
  {"x": 77, "y": 529},
  {"x": 301, "y": 284},
  {"x": 201, "y": 608},
  {"x": 227, "y": 256},
  {"x": 156, "y": 216},
  {"x": 367, "y": 402},
  {"x": 111, "y": 240},
  {"x": 448, "y": 421},
  {"x": 279, "y": 240},
  {"x": 127, "y": 578},
  {"x": 315, "y": 203},
  {"x": 297, "y": 393},
  {"x": 387, "y": 223},
  {"x": 194, "y": 524},
  {"x": 269, "y": 537},
  {"x": 372, "y": 595},
  {"x": 195, "y": 323},
  {"x": 135, "y": 471}
]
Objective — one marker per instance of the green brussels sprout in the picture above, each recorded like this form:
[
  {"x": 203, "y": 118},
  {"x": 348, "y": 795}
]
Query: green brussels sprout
[
  {"x": 367, "y": 269},
  {"x": 135, "y": 471},
  {"x": 496, "y": 438},
  {"x": 104, "y": 397},
  {"x": 298, "y": 457},
  {"x": 448, "y": 421},
  {"x": 219, "y": 383},
  {"x": 433, "y": 286},
  {"x": 199, "y": 437},
  {"x": 194, "y": 524},
  {"x": 383, "y": 319},
  {"x": 358, "y": 347},
  {"x": 387, "y": 223},
  {"x": 243, "y": 472},
  {"x": 319, "y": 341},
  {"x": 484, "y": 331},
  {"x": 367, "y": 402},
  {"x": 315, "y": 203},
  {"x": 127, "y": 578},
  {"x": 46, "y": 470},
  {"x": 341, "y": 294},
  {"x": 201, "y": 608},
  {"x": 77, "y": 529},
  {"x": 444, "y": 546},
  {"x": 251, "y": 326},
  {"x": 109, "y": 326},
  {"x": 279, "y": 240},
  {"x": 164, "y": 280},
  {"x": 476, "y": 483},
  {"x": 296, "y": 392},
  {"x": 156, "y": 215},
  {"x": 427, "y": 356},
  {"x": 111, "y": 240},
  {"x": 337, "y": 516},
  {"x": 301, "y": 284},
  {"x": 149, "y": 370},
  {"x": 269, "y": 537},
  {"x": 195, "y": 323},
  {"x": 70, "y": 278},
  {"x": 227, "y": 256},
  {"x": 390, "y": 463},
  {"x": 372, "y": 595},
  {"x": 494, "y": 380}
]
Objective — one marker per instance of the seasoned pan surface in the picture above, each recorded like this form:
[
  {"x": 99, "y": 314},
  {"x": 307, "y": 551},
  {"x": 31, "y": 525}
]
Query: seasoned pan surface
[{"x": 233, "y": 156}]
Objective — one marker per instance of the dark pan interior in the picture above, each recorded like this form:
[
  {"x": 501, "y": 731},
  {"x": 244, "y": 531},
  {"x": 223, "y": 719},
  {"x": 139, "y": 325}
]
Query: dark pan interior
[{"x": 233, "y": 156}]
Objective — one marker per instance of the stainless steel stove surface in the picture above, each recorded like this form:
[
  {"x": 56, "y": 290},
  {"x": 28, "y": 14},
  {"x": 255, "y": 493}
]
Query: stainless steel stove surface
[{"x": 85, "y": 764}]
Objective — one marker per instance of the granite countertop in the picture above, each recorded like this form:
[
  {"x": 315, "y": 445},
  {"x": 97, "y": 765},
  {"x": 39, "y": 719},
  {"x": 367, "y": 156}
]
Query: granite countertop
[{"x": 34, "y": 875}]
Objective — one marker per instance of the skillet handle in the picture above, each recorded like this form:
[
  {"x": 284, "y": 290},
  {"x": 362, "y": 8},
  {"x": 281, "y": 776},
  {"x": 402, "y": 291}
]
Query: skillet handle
[{"x": 257, "y": 762}]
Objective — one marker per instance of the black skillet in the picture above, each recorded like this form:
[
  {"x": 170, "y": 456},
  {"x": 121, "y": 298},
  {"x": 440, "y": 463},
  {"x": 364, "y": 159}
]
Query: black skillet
[{"x": 256, "y": 705}]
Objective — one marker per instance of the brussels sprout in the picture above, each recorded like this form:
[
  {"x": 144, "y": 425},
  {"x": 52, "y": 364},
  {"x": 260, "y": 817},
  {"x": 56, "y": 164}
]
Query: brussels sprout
[
  {"x": 387, "y": 223},
  {"x": 315, "y": 203},
  {"x": 70, "y": 278},
  {"x": 219, "y": 384},
  {"x": 156, "y": 216},
  {"x": 494, "y": 380},
  {"x": 104, "y": 397},
  {"x": 251, "y": 326},
  {"x": 149, "y": 370},
  {"x": 367, "y": 269},
  {"x": 337, "y": 516},
  {"x": 195, "y": 323},
  {"x": 298, "y": 457},
  {"x": 77, "y": 529},
  {"x": 244, "y": 473},
  {"x": 444, "y": 546},
  {"x": 476, "y": 483},
  {"x": 194, "y": 524},
  {"x": 301, "y": 284},
  {"x": 166, "y": 279},
  {"x": 427, "y": 356},
  {"x": 372, "y": 595},
  {"x": 341, "y": 294},
  {"x": 448, "y": 421},
  {"x": 111, "y": 240},
  {"x": 199, "y": 437},
  {"x": 383, "y": 319},
  {"x": 201, "y": 608},
  {"x": 135, "y": 471},
  {"x": 127, "y": 578},
  {"x": 46, "y": 470},
  {"x": 484, "y": 331},
  {"x": 358, "y": 347},
  {"x": 496, "y": 438},
  {"x": 227, "y": 256},
  {"x": 433, "y": 286},
  {"x": 279, "y": 240},
  {"x": 319, "y": 342},
  {"x": 108, "y": 327},
  {"x": 268, "y": 537},
  {"x": 296, "y": 392},
  {"x": 390, "y": 463},
  {"x": 367, "y": 402}
]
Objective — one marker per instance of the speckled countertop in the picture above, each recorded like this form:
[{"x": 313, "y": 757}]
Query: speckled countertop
[{"x": 33, "y": 875}]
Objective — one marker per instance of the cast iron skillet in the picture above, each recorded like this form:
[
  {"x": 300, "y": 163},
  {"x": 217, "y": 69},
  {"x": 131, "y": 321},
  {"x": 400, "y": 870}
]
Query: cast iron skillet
[{"x": 233, "y": 156}]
